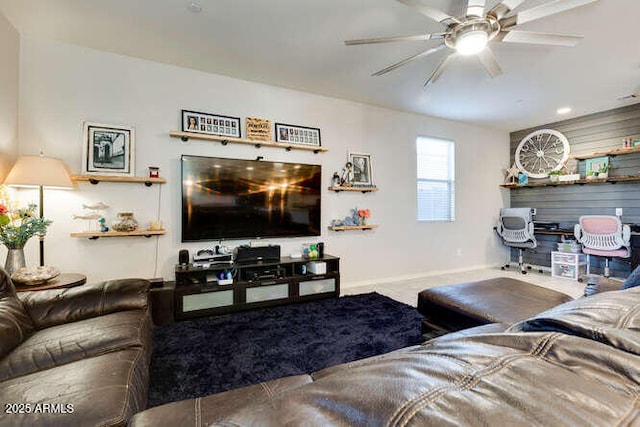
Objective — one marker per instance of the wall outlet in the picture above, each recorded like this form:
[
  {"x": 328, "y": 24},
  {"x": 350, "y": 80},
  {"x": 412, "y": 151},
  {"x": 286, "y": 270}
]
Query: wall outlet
[{"x": 618, "y": 211}]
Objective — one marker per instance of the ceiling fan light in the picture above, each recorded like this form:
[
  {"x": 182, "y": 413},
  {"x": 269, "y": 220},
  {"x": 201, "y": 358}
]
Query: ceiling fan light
[{"x": 472, "y": 42}]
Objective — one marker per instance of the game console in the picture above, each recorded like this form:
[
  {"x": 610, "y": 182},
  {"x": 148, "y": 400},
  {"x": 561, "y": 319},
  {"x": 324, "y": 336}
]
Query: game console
[{"x": 210, "y": 256}]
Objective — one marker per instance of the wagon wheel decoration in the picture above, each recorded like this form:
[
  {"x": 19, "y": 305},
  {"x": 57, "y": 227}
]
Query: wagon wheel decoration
[{"x": 542, "y": 151}]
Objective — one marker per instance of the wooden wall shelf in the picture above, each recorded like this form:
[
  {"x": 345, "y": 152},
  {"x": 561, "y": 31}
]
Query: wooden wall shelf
[
  {"x": 612, "y": 180},
  {"x": 613, "y": 152},
  {"x": 352, "y": 227},
  {"x": 224, "y": 140},
  {"x": 95, "y": 179},
  {"x": 338, "y": 189},
  {"x": 92, "y": 235}
]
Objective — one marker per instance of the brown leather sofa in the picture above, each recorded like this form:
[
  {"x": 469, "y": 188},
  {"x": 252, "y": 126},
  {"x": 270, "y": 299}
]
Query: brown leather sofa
[
  {"x": 74, "y": 357},
  {"x": 577, "y": 364}
]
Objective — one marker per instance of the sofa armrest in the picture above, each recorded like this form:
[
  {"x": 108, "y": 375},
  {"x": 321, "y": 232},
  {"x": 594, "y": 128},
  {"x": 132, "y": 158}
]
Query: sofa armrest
[{"x": 57, "y": 306}]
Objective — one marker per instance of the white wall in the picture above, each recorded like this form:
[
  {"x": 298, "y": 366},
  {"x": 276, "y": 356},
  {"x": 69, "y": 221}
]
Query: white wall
[
  {"x": 61, "y": 85},
  {"x": 9, "y": 66}
]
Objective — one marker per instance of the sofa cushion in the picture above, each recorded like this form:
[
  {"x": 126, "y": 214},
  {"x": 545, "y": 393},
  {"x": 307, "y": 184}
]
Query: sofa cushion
[
  {"x": 612, "y": 318},
  {"x": 104, "y": 390},
  {"x": 57, "y": 306},
  {"x": 196, "y": 412},
  {"x": 69, "y": 342},
  {"x": 15, "y": 324}
]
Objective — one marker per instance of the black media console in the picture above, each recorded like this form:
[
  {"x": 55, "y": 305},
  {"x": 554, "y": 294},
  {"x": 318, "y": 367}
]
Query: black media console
[{"x": 204, "y": 291}]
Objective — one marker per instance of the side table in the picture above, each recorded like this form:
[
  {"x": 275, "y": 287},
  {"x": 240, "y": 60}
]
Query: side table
[{"x": 64, "y": 280}]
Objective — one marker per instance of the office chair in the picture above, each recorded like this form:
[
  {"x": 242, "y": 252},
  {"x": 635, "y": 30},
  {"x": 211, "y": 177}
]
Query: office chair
[
  {"x": 515, "y": 228},
  {"x": 603, "y": 236}
]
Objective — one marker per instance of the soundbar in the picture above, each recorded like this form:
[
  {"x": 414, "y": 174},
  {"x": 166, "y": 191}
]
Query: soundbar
[{"x": 245, "y": 253}]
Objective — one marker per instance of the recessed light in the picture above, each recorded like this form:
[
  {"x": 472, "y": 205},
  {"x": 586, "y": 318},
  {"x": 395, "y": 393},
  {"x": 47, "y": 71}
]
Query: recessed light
[
  {"x": 564, "y": 110},
  {"x": 194, "y": 7}
]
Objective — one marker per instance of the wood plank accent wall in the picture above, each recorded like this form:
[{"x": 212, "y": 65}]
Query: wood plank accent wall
[
  {"x": 595, "y": 132},
  {"x": 565, "y": 204}
]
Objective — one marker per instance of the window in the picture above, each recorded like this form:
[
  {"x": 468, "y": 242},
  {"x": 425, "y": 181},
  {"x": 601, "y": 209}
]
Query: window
[{"x": 436, "y": 193}]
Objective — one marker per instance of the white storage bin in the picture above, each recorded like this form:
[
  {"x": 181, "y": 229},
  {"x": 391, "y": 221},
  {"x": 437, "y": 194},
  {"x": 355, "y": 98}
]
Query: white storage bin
[{"x": 568, "y": 265}]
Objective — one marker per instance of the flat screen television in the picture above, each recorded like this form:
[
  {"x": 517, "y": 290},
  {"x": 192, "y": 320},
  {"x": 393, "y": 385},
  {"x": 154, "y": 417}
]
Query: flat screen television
[{"x": 246, "y": 199}]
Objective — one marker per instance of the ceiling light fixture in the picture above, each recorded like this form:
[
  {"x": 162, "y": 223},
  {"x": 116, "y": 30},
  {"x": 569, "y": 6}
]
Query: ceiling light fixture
[
  {"x": 194, "y": 7},
  {"x": 564, "y": 110},
  {"x": 472, "y": 42}
]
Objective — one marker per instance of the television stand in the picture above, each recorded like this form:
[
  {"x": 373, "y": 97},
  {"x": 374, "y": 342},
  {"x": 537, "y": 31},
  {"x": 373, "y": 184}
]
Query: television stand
[{"x": 207, "y": 290}]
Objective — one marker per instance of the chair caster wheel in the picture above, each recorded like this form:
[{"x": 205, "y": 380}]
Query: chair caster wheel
[
  {"x": 528, "y": 267},
  {"x": 524, "y": 272},
  {"x": 502, "y": 268},
  {"x": 580, "y": 280}
]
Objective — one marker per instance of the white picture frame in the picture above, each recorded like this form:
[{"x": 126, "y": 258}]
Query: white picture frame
[
  {"x": 108, "y": 149},
  {"x": 362, "y": 170}
]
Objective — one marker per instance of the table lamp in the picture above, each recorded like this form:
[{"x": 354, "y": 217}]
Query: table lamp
[{"x": 42, "y": 172}]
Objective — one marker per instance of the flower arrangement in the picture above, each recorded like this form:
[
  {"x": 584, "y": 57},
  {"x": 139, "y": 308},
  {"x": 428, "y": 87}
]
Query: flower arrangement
[
  {"x": 363, "y": 214},
  {"x": 17, "y": 225}
]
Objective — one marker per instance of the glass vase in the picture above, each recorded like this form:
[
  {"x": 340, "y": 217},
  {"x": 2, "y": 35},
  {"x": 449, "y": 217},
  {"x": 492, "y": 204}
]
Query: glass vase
[
  {"x": 15, "y": 259},
  {"x": 125, "y": 222}
]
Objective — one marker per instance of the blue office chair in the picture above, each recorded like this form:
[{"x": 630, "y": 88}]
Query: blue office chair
[{"x": 516, "y": 230}]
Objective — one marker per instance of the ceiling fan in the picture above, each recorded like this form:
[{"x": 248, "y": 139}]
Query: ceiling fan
[{"x": 470, "y": 34}]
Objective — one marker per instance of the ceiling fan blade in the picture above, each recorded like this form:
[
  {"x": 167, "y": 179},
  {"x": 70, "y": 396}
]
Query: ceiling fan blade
[
  {"x": 429, "y": 12},
  {"x": 409, "y": 59},
  {"x": 439, "y": 70},
  {"x": 543, "y": 11},
  {"x": 539, "y": 38},
  {"x": 490, "y": 63},
  {"x": 395, "y": 39},
  {"x": 475, "y": 8},
  {"x": 506, "y": 6}
]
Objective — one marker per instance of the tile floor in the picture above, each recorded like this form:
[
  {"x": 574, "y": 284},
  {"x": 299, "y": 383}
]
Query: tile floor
[{"x": 407, "y": 291}]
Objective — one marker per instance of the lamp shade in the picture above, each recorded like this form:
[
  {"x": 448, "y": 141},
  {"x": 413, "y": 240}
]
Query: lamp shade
[{"x": 41, "y": 171}]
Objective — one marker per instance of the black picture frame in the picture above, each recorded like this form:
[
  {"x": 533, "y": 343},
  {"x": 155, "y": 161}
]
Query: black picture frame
[
  {"x": 211, "y": 124},
  {"x": 297, "y": 135}
]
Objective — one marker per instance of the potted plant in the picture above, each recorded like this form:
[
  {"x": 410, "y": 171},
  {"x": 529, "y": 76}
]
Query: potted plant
[
  {"x": 554, "y": 174},
  {"x": 591, "y": 175},
  {"x": 603, "y": 172}
]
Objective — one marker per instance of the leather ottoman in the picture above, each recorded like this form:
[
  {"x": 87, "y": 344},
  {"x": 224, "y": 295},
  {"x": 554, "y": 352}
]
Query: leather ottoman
[{"x": 500, "y": 300}]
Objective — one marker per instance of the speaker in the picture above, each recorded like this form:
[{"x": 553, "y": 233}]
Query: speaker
[
  {"x": 320, "y": 246},
  {"x": 246, "y": 253},
  {"x": 183, "y": 257}
]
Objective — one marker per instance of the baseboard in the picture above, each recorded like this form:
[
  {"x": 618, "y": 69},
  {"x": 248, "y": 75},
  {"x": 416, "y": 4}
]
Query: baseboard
[{"x": 386, "y": 280}]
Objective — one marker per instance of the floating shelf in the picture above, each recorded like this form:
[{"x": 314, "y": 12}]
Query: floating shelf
[
  {"x": 612, "y": 180},
  {"x": 95, "y": 179},
  {"x": 613, "y": 152},
  {"x": 338, "y": 189},
  {"x": 224, "y": 140},
  {"x": 352, "y": 227},
  {"x": 92, "y": 235}
]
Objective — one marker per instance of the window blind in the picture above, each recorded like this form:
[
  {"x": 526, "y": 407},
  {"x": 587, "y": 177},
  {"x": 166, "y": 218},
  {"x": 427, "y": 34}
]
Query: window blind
[{"x": 435, "y": 179}]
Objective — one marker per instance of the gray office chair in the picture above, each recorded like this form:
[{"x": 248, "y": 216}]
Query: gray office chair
[{"x": 515, "y": 228}]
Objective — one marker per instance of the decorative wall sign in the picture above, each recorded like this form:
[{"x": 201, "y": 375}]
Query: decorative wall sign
[
  {"x": 108, "y": 149},
  {"x": 258, "y": 129},
  {"x": 361, "y": 164},
  {"x": 292, "y": 134},
  {"x": 212, "y": 124}
]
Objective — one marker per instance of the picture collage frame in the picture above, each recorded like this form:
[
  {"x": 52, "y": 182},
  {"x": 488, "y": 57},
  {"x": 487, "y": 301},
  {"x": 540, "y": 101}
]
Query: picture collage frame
[
  {"x": 210, "y": 124},
  {"x": 294, "y": 134}
]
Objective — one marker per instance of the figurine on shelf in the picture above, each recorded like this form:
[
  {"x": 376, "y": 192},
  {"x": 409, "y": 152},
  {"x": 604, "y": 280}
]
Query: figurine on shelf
[
  {"x": 346, "y": 179},
  {"x": 512, "y": 174},
  {"x": 352, "y": 220},
  {"x": 335, "y": 180},
  {"x": 93, "y": 212},
  {"x": 103, "y": 225}
]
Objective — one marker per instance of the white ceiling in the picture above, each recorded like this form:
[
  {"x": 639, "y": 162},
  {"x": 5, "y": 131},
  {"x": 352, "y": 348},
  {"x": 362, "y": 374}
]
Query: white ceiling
[{"x": 298, "y": 44}]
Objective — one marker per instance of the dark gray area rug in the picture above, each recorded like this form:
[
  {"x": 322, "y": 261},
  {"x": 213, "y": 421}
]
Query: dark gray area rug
[{"x": 210, "y": 355}]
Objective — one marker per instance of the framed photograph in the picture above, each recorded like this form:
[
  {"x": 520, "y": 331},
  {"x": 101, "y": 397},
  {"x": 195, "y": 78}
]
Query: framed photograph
[
  {"x": 361, "y": 164},
  {"x": 108, "y": 149},
  {"x": 212, "y": 124},
  {"x": 297, "y": 134},
  {"x": 596, "y": 165}
]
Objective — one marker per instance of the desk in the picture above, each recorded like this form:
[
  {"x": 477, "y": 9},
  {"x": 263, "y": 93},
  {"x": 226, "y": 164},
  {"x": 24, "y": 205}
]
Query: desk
[
  {"x": 64, "y": 280},
  {"x": 557, "y": 232}
]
